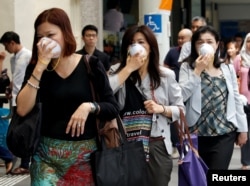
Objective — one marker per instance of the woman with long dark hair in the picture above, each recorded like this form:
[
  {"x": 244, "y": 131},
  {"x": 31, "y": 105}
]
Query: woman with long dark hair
[
  {"x": 149, "y": 96},
  {"x": 214, "y": 109}
]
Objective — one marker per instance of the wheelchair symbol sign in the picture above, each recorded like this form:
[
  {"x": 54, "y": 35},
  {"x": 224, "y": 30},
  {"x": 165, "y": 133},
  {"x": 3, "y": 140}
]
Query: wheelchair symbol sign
[{"x": 153, "y": 21}]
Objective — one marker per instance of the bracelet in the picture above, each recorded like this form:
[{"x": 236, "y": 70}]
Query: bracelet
[
  {"x": 42, "y": 61},
  {"x": 164, "y": 110},
  {"x": 32, "y": 85},
  {"x": 35, "y": 77}
]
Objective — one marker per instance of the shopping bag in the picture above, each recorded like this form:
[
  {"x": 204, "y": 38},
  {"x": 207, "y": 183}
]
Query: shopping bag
[
  {"x": 124, "y": 165},
  {"x": 192, "y": 169}
]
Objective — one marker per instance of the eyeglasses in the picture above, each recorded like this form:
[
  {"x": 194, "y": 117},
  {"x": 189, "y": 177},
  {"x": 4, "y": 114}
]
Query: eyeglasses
[{"x": 90, "y": 35}]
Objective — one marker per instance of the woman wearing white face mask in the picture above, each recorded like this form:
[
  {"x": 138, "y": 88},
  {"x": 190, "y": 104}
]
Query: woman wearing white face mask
[
  {"x": 149, "y": 94},
  {"x": 62, "y": 82},
  {"x": 213, "y": 108}
]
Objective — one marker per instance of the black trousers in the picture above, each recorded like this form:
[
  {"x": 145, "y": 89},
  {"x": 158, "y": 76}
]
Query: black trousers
[
  {"x": 217, "y": 151},
  {"x": 245, "y": 149}
]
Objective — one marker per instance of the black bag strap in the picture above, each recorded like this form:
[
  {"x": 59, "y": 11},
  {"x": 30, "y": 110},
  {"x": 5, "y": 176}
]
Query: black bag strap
[{"x": 118, "y": 118}]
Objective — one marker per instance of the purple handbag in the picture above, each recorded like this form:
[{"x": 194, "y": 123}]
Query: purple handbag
[{"x": 192, "y": 169}]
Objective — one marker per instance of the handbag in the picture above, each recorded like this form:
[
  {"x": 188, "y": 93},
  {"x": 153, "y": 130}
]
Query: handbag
[
  {"x": 192, "y": 169},
  {"x": 24, "y": 132},
  {"x": 108, "y": 130},
  {"x": 124, "y": 165},
  {"x": 117, "y": 162},
  {"x": 136, "y": 120}
]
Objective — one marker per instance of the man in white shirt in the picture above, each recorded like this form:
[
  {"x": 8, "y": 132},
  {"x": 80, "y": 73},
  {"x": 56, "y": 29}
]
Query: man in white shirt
[
  {"x": 197, "y": 22},
  {"x": 18, "y": 63}
]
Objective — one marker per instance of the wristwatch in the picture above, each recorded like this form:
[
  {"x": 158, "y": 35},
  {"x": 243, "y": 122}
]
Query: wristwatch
[{"x": 93, "y": 108}]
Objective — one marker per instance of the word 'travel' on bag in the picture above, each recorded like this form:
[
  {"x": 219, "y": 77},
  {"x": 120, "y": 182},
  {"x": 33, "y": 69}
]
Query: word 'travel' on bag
[
  {"x": 120, "y": 166},
  {"x": 192, "y": 169},
  {"x": 24, "y": 132}
]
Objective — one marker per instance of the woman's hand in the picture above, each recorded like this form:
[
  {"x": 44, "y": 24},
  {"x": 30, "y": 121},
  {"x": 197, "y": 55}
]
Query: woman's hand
[
  {"x": 152, "y": 107},
  {"x": 77, "y": 121},
  {"x": 201, "y": 63},
  {"x": 44, "y": 52},
  {"x": 133, "y": 63},
  {"x": 242, "y": 139}
]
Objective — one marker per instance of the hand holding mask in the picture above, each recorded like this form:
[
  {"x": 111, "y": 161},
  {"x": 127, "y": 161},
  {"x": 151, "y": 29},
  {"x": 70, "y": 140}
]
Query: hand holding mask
[
  {"x": 136, "y": 48},
  {"x": 51, "y": 44}
]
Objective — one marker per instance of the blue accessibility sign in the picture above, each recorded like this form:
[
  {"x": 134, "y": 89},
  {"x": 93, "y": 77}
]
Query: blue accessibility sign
[{"x": 153, "y": 21}]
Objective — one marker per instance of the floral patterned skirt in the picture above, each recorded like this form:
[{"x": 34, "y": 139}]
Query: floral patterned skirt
[{"x": 62, "y": 163}]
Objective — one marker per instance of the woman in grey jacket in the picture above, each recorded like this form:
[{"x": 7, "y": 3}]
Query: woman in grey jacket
[
  {"x": 213, "y": 108},
  {"x": 140, "y": 80}
]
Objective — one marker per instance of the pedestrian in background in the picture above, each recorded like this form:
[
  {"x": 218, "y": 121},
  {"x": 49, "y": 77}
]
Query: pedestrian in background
[
  {"x": 196, "y": 23},
  {"x": 171, "y": 61},
  {"x": 242, "y": 69},
  {"x": 60, "y": 81},
  {"x": 113, "y": 18},
  {"x": 232, "y": 55},
  {"x": 143, "y": 86},
  {"x": 8, "y": 158},
  {"x": 90, "y": 37},
  {"x": 18, "y": 63},
  {"x": 213, "y": 107}
]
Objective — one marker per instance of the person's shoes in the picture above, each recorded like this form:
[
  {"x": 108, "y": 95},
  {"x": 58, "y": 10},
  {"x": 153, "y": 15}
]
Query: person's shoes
[
  {"x": 175, "y": 153},
  {"x": 20, "y": 171},
  {"x": 10, "y": 165}
]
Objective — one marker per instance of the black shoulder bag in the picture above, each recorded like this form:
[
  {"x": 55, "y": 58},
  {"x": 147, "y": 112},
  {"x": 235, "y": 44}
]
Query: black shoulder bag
[
  {"x": 123, "y": 163},
  {"x": 24, "y": 132}
]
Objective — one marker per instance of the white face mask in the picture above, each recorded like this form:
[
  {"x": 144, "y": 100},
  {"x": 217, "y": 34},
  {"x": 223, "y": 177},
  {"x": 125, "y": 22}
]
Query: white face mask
[
  {"x": 136, "y": 48},
  {"x": 50, "y": 43},
  {"x": 206, "y": 49}
]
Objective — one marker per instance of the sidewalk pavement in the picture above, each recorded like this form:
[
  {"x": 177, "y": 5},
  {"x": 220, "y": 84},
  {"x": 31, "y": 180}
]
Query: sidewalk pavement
[{"x": 24, "y": 180}]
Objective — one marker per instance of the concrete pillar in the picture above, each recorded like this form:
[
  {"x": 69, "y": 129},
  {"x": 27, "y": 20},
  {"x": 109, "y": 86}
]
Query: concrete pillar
[
  {"x": 92, "y": 13},
  {"x": 152, "y": 7}
]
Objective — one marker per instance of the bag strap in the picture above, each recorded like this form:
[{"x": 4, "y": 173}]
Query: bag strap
[
  {"x": 183, "y": 131},
  {"x": 86, "y": 61}
]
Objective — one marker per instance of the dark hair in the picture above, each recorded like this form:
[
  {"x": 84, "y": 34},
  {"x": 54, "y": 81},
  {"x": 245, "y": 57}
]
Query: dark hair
[
  {"x": 10, "y": 36},
  {"x": 153, "y": 66},
  {"x": 89, "y": 27},
  {"x": 196, "y": 36},
  {"x": 111, "y": 4},
  {"x": 57, "y": 17}
]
